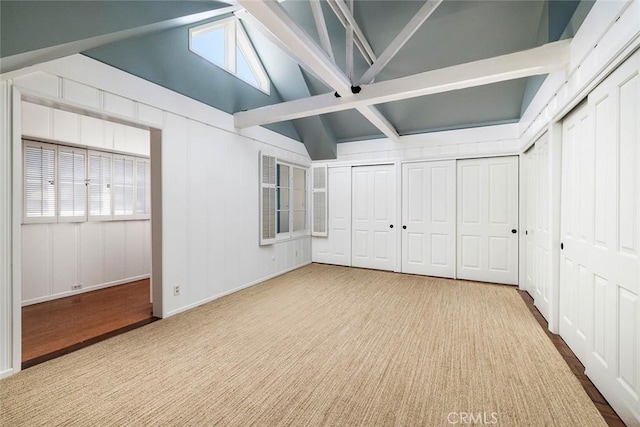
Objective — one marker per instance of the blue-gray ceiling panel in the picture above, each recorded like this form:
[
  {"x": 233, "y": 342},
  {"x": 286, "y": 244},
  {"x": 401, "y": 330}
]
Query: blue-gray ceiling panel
[
  {"x": 477, "y": 106},
  {"x": 350, "y": 125},
  {"x": 471, "y": 31},
  {"x": 165, "y": 59},
  {"x": 31, "y": 25}
]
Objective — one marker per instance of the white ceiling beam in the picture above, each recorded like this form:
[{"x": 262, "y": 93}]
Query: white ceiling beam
[
  {"x": 25, "y": 59},
  {"x": 321, "y": 26},
  {"x": 403, "y": 37},
  {"x": 305, "y": 50},
  {"x": 276, "y": 20},
  {"x": 246, "y": 18},
  {"x": 540, "y": 60},
  {"x": 349, "y": 49},
  {"x": 346, "y": 18},
  {"x": 376, "y": 118}
]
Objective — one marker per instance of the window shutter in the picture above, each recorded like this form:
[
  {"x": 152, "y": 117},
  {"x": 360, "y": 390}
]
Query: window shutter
[
  {"x": 267, "y": 199},
  {"x": 39, "y": 182},
  {"x": 72, "y": 189},
  {"x": 123, "y": 201},
  {"x": 143, "y": 188},
  {"x": 100, "y": 185},
  {"x": 319, "y": 193}
]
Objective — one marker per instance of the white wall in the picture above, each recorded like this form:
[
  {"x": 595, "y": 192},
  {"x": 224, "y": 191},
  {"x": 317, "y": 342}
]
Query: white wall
[
  {"x": 92, "y": 255},
  {"x": 209, "y": 208}
]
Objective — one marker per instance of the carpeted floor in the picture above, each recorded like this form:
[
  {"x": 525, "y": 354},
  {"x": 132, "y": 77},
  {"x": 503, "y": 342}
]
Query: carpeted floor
[{"x": 322, "y": 345}]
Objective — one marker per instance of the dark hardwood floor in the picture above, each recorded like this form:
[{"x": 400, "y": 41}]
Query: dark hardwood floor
[
  {"x": 53, "y": 328},
  {"x": 576, "y": 366}
]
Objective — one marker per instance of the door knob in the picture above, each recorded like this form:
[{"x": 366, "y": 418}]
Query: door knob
[
  {"x": 404, "y": 227},
  {"x": 514, "y": 231},
  {"x": 391, "y": 226}
]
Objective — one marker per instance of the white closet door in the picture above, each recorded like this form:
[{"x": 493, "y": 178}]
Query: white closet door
[
  {"x": 488, "y": 220},
  {"x": 600, "y": 234},
  {"x": 374, "y": 217},
  {"x": 429, "y": 218},
  {"x": 536, "y": 229},
  {"x": 336, "y": 247},
  {"x": 577, "y": 214}
]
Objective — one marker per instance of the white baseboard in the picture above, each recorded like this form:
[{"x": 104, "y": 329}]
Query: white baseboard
[
  {"x": 239, "y": 288},
  {"x": 83, "y": 290},
  {"x": 6, "y": 373}
]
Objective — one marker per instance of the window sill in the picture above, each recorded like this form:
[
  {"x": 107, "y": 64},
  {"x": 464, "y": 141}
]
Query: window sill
[{"x": 297, "y": 236}]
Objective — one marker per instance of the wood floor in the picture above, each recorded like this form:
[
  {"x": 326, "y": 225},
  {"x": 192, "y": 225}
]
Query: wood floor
[
  {"x": 577, "y": 368},
  {"x": 57, "y": 327}
]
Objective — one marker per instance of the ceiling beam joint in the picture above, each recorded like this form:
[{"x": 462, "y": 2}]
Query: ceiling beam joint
[{"x": 345, "y": 16}]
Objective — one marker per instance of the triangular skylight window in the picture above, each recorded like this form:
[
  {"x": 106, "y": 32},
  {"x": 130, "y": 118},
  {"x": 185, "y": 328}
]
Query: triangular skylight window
[{"x": 225, "y": 44}]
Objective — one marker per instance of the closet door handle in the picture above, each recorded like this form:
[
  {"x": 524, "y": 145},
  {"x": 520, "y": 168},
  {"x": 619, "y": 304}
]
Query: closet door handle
[
  {"x": 404, "y": 227},
  {"x": 514, "y": 231},
  {"x": 391, "y": 226}
]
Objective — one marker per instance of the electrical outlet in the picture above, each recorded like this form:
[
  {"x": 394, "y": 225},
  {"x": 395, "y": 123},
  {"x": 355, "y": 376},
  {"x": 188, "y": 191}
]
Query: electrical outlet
[
  {"x": 176, "y": 290},
  {"x": 76, "y": 287}
]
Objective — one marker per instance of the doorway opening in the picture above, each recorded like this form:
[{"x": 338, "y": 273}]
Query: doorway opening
[{"x": 85, "y": 232}]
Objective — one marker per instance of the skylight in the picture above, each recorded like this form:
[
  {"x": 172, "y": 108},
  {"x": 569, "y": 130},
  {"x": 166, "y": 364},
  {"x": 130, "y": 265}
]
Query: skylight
[{"x": 225, "y": 44}]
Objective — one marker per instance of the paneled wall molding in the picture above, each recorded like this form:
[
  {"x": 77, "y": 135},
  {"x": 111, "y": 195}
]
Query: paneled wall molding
[
  {"x": 60, "y": 126},
  {"x": 462, "y": 143},
  {"x": 95, "y": 75},
  {"x": 92, "y": 255},
  {"x": 609, "y": 35}
]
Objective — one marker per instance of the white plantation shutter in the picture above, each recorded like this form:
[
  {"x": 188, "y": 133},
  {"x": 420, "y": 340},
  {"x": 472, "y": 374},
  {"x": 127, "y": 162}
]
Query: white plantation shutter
[
  {"x": 39, "y": 182},
  {"x": 99, "y": 185},
  {"x": 319, "y": 195},
  {"x": 123, "y": 201},
  {"x": 267, "y": 199},
  {"x": 72, "y": 189},
  {"x": 143, "y": 188}
]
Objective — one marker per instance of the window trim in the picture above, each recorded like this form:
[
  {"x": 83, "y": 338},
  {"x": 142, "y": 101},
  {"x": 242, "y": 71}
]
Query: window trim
[{"x": 235, "y": 35}]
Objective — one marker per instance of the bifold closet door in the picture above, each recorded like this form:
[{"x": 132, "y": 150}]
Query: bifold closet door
[
  {"x": 487, "y": 226},
  {"x": 429, "y": 218},
  {"x": 600, "y": 235},
  {"x": 373, "y": 224}
]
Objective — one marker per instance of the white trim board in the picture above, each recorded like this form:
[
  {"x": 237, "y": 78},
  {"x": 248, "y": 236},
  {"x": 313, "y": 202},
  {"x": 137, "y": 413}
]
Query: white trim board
[{"x": 84, "y": 290}]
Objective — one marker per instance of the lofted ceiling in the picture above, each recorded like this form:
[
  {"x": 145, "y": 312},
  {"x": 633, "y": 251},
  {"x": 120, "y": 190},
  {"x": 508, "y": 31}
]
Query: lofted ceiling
[{"x": 150, "y": 39}]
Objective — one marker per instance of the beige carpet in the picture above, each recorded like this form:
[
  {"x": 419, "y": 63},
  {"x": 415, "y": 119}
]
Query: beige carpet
[{"x": 322, "y": 345}]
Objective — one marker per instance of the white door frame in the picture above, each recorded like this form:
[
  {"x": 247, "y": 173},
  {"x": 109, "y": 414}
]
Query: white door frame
[{"x": 18, "y": 94}]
